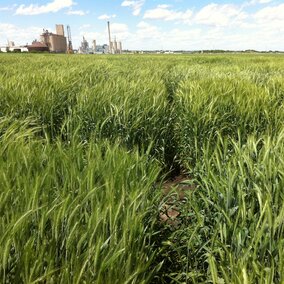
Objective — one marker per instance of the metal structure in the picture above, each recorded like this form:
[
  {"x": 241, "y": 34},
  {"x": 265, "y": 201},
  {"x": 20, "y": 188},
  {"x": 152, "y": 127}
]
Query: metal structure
[
  {"x": 70, "y": 46},
  {"x": 84, "y": 48},
  {"x": 109, "y": 38}
]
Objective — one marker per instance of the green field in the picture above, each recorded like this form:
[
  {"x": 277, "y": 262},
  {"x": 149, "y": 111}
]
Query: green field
[{"x": 87, "y": 142}]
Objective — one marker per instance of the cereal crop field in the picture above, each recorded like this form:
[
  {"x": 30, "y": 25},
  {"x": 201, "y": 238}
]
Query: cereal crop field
[{"x": 87, "y": 144}]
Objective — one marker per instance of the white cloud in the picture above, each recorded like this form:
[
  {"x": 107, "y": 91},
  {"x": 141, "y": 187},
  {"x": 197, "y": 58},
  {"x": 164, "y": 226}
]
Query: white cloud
[
  {"x": 264, "y": 1},
  {"x": 86, "y": 26},
  {"x": 51, "y": 7},
  {"x": 219, "y": 15},
  {"x": 269, "y": 21},
  {"x": 135, "y": 5},
  {"x": 271, "y": 13},
  {"x": 89, "y": 36},
  {"x": 147, "y": 31},
  {"x": 8, "y": 8},
  {"x": 18, "y": 34},
  {"x": 4, "y": 9},
  {"x": 143, "y": 25},
  {"x": 151, "y": 37},
  {"x": 255, "y": 2},
  {"x": 76, "y": 13},
  {"x": 162, "y": 12},
  {"x": 118, "y": 28},
  {"x": 106, "y": 17},
  {"x": 214, "y": 26},
  {"x": 119, "y": 31}
]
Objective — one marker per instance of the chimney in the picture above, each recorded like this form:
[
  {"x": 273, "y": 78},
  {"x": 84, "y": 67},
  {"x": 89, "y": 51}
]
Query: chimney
[
  {"x": 109, "y": 38},
  {"x": 120, "y": 47}
]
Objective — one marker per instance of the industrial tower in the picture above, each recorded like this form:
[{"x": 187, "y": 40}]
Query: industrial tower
[
  {"x": 109, "y": 38},
  {"x": 70, "y": 47}
]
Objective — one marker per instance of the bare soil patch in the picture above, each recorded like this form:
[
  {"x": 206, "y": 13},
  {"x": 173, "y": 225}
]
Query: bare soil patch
[{"x": 174, "y": 196}]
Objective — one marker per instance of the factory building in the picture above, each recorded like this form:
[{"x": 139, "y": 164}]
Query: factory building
[
  {"x": 116, "y": 47},
  {"x": 101, "y": 49},
  {"x": 18, "y": 49},
  {"x": 94, "y": 49},
  {"x": 84, "y": 48},
  {"x": 56, "y": 43},
  {"x": 49, "y": 42},
  {"x": 38, "y": 46},
  {"x": 11, "y": 47}
]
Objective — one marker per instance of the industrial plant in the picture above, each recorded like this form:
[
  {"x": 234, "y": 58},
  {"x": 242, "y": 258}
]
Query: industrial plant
[
  {"x": 58, "y": 43},
  {"x": 50, "y": 42},
  {"x": 85, "y": 48},
  {"x": 113, "y": 47}
]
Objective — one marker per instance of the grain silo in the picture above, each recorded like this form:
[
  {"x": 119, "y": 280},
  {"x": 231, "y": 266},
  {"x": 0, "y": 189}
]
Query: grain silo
[
  {"x": 60, "y": 30},
  {"x": 115, "y": 46},
  {"x": 120, "y": 47},
  {"x": 57, "y": 43}
]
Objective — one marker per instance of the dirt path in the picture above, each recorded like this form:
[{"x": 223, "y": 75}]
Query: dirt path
[{"x": 174, "y": 192}]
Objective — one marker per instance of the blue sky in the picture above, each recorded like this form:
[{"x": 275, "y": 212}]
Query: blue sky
[{"x": 151, "y": 24}]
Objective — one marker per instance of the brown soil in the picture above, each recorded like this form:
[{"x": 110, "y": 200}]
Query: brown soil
[{"x": 174, "y": 192}]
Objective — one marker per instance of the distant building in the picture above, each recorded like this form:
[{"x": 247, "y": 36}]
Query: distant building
[
  {"x": 38, "y": 46},
  {"x": 56, "y": 43},
  {"x": 49, "y": 42},
  {"x": 94, "y": 49},
  {"x": 84, "y": 48},
  {"x": 11, "y": 47},
  {"x": 18, "y": 49},
  {"x": 102, "y": 49},
  {"x": 60, "y": 30},
  {"x": 4, "y": 48},
  {"x": 115, "y": 47}
]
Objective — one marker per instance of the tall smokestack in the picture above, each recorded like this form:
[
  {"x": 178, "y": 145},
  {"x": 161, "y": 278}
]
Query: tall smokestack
[
  {"x": 120, "y": 47},
  {"x": 115, "y": 46},
  {"x": 109, "y": 38}
]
